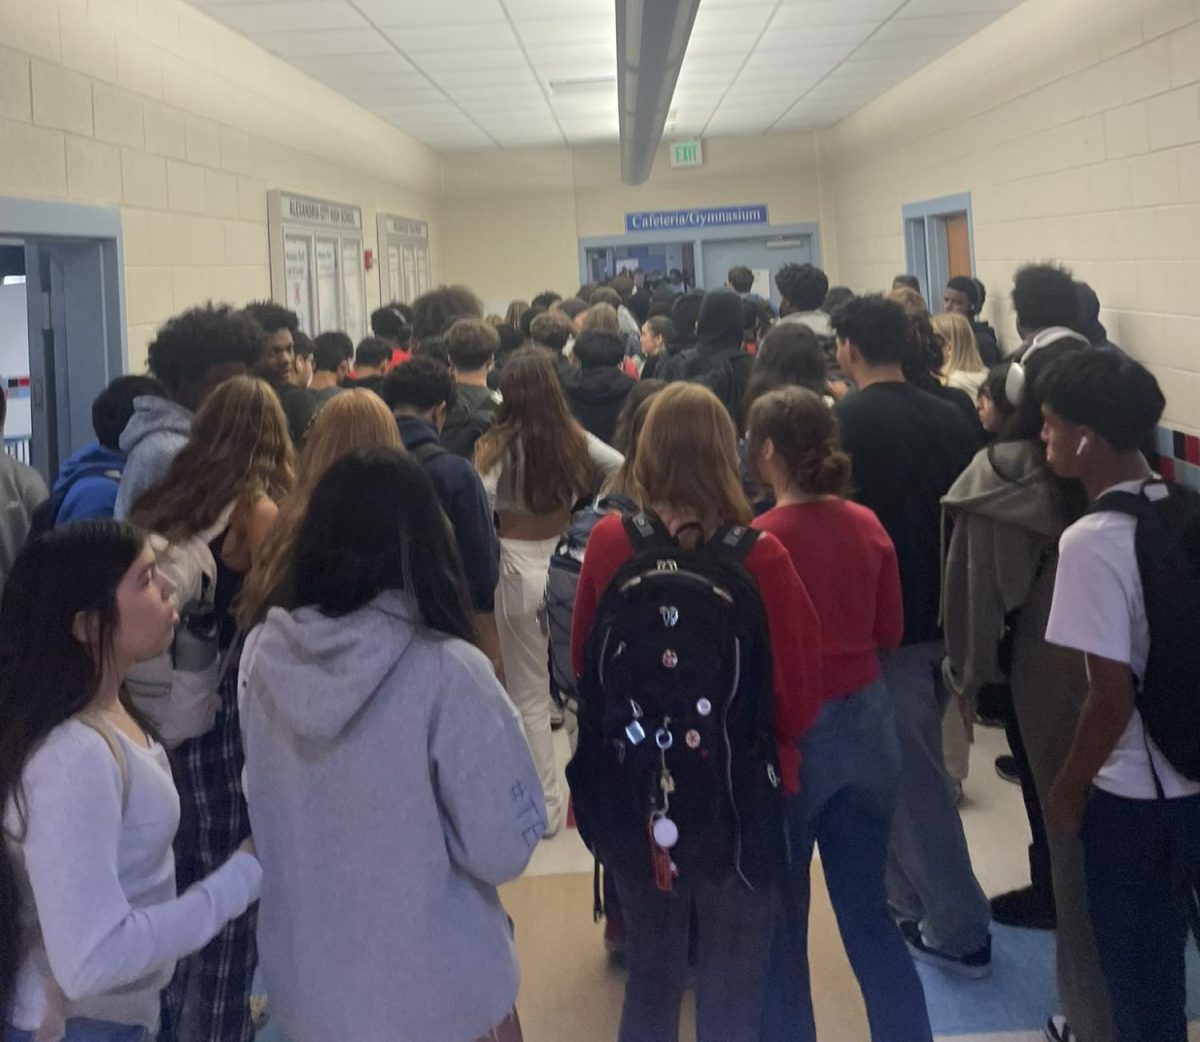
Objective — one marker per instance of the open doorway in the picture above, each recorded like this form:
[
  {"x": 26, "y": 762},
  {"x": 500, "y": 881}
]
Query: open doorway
[
  {"x": 674, "y": 261},
  {"x": 939, "y": 243},
  {"x": 62, "y": 324}
]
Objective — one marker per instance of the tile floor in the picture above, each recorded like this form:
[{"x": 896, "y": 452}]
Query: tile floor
[{"x": 570, "y": 991}]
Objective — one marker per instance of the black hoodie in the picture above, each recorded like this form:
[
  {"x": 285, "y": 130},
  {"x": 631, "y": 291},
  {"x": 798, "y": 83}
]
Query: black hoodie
[
  {"x": 718, "y": 360},
  {"x": 596, "y": 396}
]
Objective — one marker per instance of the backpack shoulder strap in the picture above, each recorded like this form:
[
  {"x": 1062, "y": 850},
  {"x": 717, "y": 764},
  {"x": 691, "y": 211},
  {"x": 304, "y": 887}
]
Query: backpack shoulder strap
[
  {"x": 1135, "y": 504},
  {"x": 428, "y": 452},
  {"x": 114, "y": 747},
  {"x": 612, "y": 501},
  {"x": 645, "y": 530},
  {"x": 737, "y": 540}
]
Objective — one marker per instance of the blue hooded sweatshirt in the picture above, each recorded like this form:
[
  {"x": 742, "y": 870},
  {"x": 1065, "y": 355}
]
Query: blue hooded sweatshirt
[{"x": 89, "y": 479}]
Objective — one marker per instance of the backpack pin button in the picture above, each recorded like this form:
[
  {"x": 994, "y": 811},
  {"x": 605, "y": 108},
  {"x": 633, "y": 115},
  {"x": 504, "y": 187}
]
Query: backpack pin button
[
  {"x": 670, "y": 660},
  {"x": 693, "y": 739},
  {"x": 704, "y": 707}
]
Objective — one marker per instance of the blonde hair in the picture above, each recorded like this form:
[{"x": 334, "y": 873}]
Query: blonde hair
[
  {"x": 910, "y": 300},
  {"x": 687, "y": 457},
  {"x": 961, "y": 350},
  {"x": 239, "y": 450},
  {"x": 354, "y": 419},
  {"x": 602, "y": 317}
]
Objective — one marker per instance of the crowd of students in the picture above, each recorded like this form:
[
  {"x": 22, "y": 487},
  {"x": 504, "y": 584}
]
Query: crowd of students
[{"x": 275, "y": 662}]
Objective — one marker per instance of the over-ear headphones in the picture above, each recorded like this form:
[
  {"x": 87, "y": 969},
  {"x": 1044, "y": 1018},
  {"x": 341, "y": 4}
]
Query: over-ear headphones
[{"x": 1014, "y": 381}]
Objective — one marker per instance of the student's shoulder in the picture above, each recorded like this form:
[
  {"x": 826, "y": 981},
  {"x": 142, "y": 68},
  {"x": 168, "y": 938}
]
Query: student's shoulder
[
  {"x": 767, "y": 555},
  {"x": 71, "y": 754},
  {"x": 1104, "y": 536}
]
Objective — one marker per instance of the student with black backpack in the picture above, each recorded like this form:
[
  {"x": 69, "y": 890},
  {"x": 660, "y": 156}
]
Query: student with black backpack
[
  {"x": 698, "y": 653},
  {"x": 1127, "y": 594},
  {"x": 718, "y": 361},
  {"x": 472, "y": 345}
]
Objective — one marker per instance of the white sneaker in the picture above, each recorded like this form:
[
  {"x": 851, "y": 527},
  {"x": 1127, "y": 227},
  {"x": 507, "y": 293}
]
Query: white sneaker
[{"x": 1058, "y": 1030}]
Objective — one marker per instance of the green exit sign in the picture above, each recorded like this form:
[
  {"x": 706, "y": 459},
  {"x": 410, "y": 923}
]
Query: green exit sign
[{"x": 686, "y": 153}]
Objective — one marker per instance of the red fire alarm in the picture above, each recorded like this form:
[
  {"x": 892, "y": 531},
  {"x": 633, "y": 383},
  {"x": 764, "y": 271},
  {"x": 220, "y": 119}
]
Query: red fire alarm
[{"x": 368, "y": 259}]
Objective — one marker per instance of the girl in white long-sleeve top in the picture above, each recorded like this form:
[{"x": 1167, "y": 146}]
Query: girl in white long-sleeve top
[{"x": 90, "y": 923}]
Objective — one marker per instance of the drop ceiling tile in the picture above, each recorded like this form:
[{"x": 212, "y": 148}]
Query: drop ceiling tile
[
  {"x": 449, "y": 37},
  {"x": 529, "y": 9},
  {"x": 322, "y": 66},
  {"x": 366, "y": 76},
  {"x": 831, "y": 12},
  {"x": 320, "y": 43},
  {"x": 435, "y": 62},
  {"x": 920, "y": 47},
  {"x": 940, "y": 8},
  {"x": 732, "y": 18},
  {"x": 389, "y": 13},
  {"x": 568, "y": 30},
  {"x": 740, "y": 43},
  {"x": 960, "y": 25},
  {"x": 581, "y": 68},
  {"x": 275, "y": 17},
  {"x": 485, "y": 75},
  {"x": 817, "y": 36}
]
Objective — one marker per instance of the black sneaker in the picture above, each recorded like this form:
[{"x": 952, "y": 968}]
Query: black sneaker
[
  {"x": 975, "y": 966},
  {"x": 1024, "y": 909},
  {"x": 1006, "y": 768}
]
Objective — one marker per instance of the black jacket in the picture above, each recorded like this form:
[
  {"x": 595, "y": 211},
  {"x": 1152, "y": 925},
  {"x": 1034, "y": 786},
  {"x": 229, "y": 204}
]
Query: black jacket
[
  {"x": 465, "y": 503},
  {"x": 596, "y": 397}
]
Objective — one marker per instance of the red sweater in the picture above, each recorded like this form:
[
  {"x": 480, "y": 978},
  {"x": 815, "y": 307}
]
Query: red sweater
[
  {"x": 848, "y": 565},
  {"x": 795, "y": 630}
]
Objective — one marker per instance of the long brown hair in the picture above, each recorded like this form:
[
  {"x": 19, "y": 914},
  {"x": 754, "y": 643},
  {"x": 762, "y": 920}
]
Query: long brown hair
[
  {"x": 687, "y": 457},
  {"x": 354, "y": 419},
  {"x": 239, "y": 450},
  {"x": 536, "y": 436},
  {"x": 805, "y": 434}
]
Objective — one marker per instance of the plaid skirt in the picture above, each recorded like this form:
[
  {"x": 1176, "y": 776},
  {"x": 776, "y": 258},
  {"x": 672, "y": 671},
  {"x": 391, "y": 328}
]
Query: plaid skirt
[{"x": 211, "y": 988}]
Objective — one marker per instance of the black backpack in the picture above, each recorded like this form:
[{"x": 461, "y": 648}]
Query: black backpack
[
  {"x": 1167, "y": 541},
  {"x": 465, "y": 425},
  {"x": 727, "y": 378},
  {"x": 676, "y": 771}
]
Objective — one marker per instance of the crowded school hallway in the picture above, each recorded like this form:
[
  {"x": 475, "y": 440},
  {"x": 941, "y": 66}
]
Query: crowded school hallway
[{"x": 509, "y": 537}]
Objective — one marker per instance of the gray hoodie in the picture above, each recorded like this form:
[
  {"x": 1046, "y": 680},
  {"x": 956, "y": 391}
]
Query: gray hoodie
[
  {"x": 391, "y": 790},
  {"x": 1006, "y": 531},
  {"x": 152, "y": 438}
]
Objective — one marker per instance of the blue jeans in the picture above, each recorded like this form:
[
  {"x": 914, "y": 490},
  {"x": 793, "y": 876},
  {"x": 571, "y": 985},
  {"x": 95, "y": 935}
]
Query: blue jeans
[
  {"x": 1140, "y": 858},
  {"x": 733, "y": 941},
  {"x": 849, "y": 771},
  {"x": 929, "y": 874},
  {"x": 83, "y": 1029}
]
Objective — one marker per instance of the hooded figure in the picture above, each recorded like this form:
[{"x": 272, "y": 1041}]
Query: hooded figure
[
  {"x": 1089, "y": 314},
  {"x": 157, "y": 431},
  {"x": 1008, "y": 512},
  {"x": 718, "y": 360},
  {"x": 598, "y": 389},
  {"x": 391, "y": 791}
]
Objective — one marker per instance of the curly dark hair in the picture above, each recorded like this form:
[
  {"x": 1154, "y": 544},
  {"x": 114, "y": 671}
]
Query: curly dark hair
[
  {"x": 877, "y": 327},
  {"x": 1107, "y": 391},
  {"x": 435, "y": 311},
  {"x": 1044, "y": 296},
  {"x": 420, "y": 383},
  {"x": 272, "y": 317},
  {"x": 804, "y": 286},
  {"x": 196, "y": 340}
]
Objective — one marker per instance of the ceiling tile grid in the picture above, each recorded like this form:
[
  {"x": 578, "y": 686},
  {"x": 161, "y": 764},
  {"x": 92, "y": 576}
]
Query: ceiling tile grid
[{"x": 483, "y": 74}]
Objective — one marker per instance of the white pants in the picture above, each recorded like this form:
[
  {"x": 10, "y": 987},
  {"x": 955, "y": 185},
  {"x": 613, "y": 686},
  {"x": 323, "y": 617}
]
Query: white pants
[{"x": 523, "y": 567}]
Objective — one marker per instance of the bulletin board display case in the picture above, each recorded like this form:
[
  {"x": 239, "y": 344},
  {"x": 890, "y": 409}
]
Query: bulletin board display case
[
  {"x": 317, "y": 262},
  {"x": 404, "y": 270}
]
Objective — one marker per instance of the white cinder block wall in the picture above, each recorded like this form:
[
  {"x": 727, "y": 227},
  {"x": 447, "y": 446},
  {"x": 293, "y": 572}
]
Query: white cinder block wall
[
  {"x": 1075, "y": 126},
  {"x": 153, "y": 106}
]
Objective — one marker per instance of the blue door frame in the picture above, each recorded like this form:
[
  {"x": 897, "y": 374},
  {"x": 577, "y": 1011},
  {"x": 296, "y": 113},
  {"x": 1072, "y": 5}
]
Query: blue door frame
[{"x": 925, "y": 251}]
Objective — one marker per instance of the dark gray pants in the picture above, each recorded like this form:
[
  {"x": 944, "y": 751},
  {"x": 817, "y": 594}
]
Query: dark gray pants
[{"x": 734, "y": 926}]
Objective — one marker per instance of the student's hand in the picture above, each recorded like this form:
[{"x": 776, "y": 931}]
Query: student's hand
[
  {"x": 1064, "y": 809},
  {"x": 248, "y": 847},
  {"x": 838, "y": 389}
]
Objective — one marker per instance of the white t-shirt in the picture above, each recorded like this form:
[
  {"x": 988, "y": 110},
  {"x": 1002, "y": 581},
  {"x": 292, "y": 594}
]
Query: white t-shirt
[{"x": 1098, "y": 609}]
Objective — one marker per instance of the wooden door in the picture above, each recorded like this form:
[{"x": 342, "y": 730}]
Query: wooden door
[{"x": 958, "y": 245}]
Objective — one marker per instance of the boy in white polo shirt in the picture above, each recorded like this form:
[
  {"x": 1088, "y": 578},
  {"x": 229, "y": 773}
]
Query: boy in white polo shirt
[{"x": 1138, "y": 814}]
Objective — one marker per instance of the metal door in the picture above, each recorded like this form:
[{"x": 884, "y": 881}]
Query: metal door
[{"x": 763, "y": 255}]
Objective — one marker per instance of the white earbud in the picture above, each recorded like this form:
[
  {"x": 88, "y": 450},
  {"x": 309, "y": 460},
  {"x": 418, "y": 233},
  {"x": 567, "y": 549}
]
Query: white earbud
[{"x": 1083, "y": 444}]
